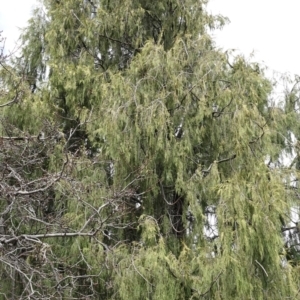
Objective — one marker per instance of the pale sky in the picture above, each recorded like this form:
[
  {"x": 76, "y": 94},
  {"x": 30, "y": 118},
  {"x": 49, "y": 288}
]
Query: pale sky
[
  {"x": 267, "y": 27},
  {"x": 270, "y": 28},
  {"x": 14, "y": 15}
]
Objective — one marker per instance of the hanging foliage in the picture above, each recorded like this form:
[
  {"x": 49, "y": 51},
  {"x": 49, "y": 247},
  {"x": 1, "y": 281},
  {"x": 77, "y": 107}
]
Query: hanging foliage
[{"x": 139, "y": 163}]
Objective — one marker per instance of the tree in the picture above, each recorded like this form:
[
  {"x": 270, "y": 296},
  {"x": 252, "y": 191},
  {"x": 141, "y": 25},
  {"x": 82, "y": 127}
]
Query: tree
[{"x": 138, "y": 160}]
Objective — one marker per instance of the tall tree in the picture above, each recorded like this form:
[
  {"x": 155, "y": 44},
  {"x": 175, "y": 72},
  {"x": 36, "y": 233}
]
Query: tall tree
[{"x": 138, "y": 160}]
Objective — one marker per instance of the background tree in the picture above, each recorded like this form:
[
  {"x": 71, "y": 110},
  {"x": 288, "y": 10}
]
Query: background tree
[{"x": 137, "y": 160}]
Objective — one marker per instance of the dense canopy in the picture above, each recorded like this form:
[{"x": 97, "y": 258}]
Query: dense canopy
[{"x": 140, "y": 161}]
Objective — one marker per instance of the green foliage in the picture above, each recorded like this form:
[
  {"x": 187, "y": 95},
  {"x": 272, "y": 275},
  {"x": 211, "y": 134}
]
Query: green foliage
[{"x": 161, "y": 151}]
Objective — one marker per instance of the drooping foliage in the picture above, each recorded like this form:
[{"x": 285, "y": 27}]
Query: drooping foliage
[{"x": 139, "y": 163}]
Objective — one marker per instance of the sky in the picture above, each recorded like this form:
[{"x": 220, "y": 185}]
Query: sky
[
  {"x": 13, "y": 16},
  {"x": 269, "y": 28}
]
